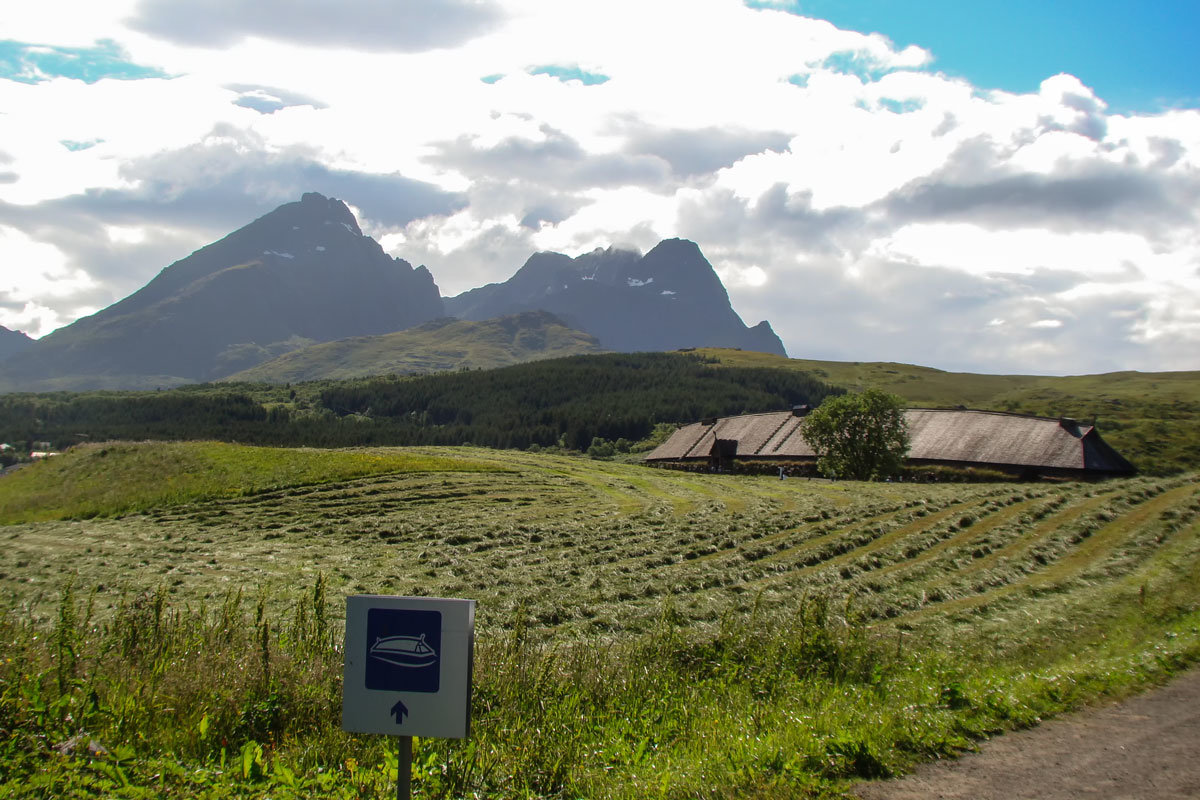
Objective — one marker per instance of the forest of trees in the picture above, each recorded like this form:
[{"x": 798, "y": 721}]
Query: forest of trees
[{"x": 567, "y": 402}]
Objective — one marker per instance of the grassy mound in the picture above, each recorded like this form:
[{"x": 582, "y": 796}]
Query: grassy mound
[{"x": 108, "y": 479}]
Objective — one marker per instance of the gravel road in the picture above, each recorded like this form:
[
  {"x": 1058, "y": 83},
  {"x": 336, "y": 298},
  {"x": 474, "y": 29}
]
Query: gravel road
[{"x": 1144, "y": 747}]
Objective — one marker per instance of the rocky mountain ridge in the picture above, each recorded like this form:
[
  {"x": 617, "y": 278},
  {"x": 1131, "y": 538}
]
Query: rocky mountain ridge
[
  {"x": 668, "y": 299},
  {"x": 301, "y": 274},
  {"x": 305, "y": 274},
  {"x": 13, "y": 342}
]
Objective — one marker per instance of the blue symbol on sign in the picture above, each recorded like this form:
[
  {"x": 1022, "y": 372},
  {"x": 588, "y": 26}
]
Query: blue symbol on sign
[
  {"x": 403, "y": 647},
  {"x": 404, "y": 651}
]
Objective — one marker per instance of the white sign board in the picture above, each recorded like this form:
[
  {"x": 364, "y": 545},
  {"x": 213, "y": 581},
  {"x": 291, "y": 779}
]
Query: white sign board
[{"x": 408, "y": 666}]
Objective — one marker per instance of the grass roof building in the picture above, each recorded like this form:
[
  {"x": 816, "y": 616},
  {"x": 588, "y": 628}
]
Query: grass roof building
[{"x": 1015, "y": 443}]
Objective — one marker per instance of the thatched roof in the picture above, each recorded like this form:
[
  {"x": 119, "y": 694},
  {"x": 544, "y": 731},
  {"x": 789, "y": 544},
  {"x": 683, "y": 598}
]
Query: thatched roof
[{"x": 958, "y": 437}]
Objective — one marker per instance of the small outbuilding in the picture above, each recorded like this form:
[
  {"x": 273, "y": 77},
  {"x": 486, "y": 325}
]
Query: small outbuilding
[{"x": 963, "y": 438}]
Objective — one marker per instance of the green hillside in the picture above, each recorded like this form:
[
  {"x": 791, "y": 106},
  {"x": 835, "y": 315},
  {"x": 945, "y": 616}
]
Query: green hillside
[
  {"x": 445, "y": 344},
  {"x": 565, "y": 401},
  {"x": 1151, "y": 418},
  {"x": 94, "y": 480},
  {"x": 641, "y": 632}
]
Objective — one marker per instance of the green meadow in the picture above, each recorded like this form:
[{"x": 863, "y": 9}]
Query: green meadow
[
  {"x": 171, "y": 619},
  {"x": 120, "y": 478}
]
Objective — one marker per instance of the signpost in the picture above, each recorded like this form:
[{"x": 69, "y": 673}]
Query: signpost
[{"x": 408, "y": 670}]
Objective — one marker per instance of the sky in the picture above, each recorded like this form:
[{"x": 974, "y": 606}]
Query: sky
[{"x": 999, "y": 187}]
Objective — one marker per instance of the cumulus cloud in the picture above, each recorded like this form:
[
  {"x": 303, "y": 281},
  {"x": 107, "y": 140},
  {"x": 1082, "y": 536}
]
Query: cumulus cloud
[
  {"x": 231, "y": 177},
  {"x": 777, "y": 219},
  {"x": 977, "y": 266},
  {"x": 36, "y": 268},
  {"x": 465, "y": 252},
  {"x": 1094, "y": 195},
  {"x": 374, "y": 25},
  {"x": 702, "y": 151},
  {"x": 940, "y": 316},
  {"x": 1078, "y": 108},
  {"x": 551, "y": 158},
  {"x": 868, "y": 205}
]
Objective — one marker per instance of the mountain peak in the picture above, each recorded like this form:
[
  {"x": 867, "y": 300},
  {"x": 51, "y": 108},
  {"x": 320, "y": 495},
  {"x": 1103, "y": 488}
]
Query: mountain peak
[
  {"x": 669, "y": 298},
  {"x": 301, "y": 273},
  {"x": 678, "y": 265},
  {"x": 316, "y": 207},
  {"x": 678, "y": 247}
]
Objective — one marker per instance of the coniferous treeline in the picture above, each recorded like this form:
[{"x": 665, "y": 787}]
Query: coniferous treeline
[
  {"x": 65, "y": 418},
  {"x": 617, "y": 395},
  {"x": 565, "y": 401}
]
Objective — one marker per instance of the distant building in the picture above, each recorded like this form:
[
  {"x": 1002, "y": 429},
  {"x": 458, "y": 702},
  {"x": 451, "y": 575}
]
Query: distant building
[{"x": 1014, "y": 443}]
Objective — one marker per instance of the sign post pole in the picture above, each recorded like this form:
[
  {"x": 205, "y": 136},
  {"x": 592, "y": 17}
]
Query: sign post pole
[
  {"x": 404, "y": 769},
  {"x": 408, "y": 671}
]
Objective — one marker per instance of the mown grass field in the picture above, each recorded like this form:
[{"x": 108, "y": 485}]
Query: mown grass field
[{"x": 641, "y": 632}]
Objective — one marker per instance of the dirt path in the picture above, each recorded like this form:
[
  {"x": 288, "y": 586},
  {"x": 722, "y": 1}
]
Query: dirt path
[{"x": 1144, "y": 747}]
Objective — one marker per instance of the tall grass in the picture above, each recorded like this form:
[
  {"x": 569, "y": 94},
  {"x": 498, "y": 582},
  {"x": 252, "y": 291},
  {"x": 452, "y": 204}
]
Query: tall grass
[
  {"x": 641, "y": 633},
  {"x": 242, "y": 699}
]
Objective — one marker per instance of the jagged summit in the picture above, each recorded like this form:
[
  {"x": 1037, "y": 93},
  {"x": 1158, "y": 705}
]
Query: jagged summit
[
  {"x": 305, "y": 274},
  {"x": 664, "y": 300},
  {"x": 308, "y": 227},
  {"x": 315, "y": 207},
  {"x": 301, "y": 274}
]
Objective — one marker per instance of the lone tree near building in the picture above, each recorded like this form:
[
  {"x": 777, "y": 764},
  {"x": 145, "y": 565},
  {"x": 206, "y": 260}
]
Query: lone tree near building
[{"x": 858, "y": 436}]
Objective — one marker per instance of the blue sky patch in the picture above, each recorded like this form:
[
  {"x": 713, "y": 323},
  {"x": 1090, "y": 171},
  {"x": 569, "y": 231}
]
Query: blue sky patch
[
  {"x": 901, "y": 106},
  {"x": 799, "y": 79},
  {"x": 262, "y": 103},
  {"x": 34, "y": 63},
  {"x": 489, "y": 79},
  {"x": 268, "y": 99},
  {"x": 1136, "y": 56},
  {"x": 75, "y": 147},
  {"x": 856, "y": 64},
  {"x": 567, "y": 74}
]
